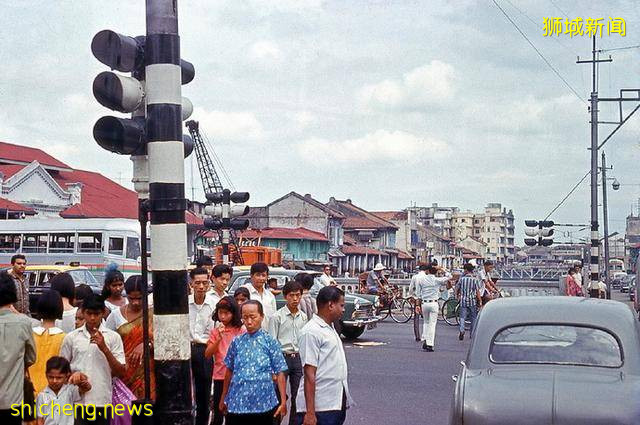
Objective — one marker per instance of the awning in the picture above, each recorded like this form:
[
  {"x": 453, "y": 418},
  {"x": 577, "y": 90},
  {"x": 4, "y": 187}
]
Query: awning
[{"x": 335, "y": 252}]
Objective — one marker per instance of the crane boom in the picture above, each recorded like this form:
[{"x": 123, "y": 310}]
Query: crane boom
[{"x": 210, "y": 180}]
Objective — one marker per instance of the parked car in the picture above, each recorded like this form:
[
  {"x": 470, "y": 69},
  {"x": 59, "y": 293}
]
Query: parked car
[
  {"x": 532, "y": 359},
  {"x": 618, "y": 277},
  {"x": 38, "y": 276},
  {"x": 359, "y": 313},
  {"x": 626, "y": 283}
]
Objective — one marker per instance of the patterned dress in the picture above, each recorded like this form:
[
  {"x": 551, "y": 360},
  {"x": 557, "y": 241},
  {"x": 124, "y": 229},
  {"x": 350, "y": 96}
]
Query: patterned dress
[{"x": 253, "y": 359}]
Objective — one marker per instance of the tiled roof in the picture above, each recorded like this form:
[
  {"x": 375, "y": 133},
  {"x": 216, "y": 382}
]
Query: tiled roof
[
  {"x": 100, "y": 197},
  {"x": 361, "y": 250},
  {"x": 391, "y": 215},
  {"x": 7, "y": 205},
  {"x": 25, "y": 155},
  {"x": 404, "y": 255},
  {"x": 358, "y": 218},
  {"x": 10, "y": 169},
  {"x": 307, "y": 198},
  {"x": 284, "y": 233}
]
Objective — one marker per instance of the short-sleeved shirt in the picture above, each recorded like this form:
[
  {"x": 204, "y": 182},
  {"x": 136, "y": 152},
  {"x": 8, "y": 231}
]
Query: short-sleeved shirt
[
  {"x": 87, "y": 358},
  {"x": 48, "y": 343},
  {"x": 321, "y": 347},
  {"x": 68, "y": 395},
  {"x": 285, "y": 327},
  {"x": 373, "y": 281},
  {"x": 253, "y": 359},
  {"x": 17, "y": 349},
  {"x": 68, "y": 321},
  {"x": 468, "y": 287},
  {"x": 219, "y": 368}
]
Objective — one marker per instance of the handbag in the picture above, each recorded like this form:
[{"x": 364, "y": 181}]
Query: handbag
[
  {"x": 29, "y": 398},
  {"x": 121, "y": 394}
]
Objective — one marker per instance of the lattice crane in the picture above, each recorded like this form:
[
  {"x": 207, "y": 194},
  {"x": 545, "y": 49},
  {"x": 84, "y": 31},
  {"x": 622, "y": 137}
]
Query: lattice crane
[{"x": 210, "y": 180}]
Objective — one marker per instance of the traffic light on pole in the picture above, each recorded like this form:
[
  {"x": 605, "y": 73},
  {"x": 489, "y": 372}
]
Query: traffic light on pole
[
  {"x": 222, "y": 213},
  {"x": 539, "y": 232},
  {"x": 126, "y": 94}
]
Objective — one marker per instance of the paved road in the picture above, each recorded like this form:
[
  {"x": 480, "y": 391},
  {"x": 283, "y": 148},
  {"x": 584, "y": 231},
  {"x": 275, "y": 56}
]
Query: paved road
[{"x": 398, "y": 383}]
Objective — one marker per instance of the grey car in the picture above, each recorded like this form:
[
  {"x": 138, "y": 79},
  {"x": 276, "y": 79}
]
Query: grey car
[{"x": 551, "y": 360}]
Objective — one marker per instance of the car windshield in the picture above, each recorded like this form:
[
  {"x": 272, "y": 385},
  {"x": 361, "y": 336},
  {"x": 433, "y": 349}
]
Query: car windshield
[
  {"x": 556, "y": 344},
  {"x": 243, "y": 280},
  {"x": 83, "y": 276}
]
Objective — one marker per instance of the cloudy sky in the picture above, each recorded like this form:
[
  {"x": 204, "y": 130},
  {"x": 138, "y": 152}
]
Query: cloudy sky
[{"x": 389, "y": 103}]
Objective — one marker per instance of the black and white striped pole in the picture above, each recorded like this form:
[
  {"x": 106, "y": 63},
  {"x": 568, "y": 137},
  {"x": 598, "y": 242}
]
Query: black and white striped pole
[{"x": 172, "y": 349}]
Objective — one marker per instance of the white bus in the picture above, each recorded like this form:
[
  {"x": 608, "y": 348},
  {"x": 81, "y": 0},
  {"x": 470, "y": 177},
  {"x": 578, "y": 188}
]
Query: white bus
[{"x": 92, "y": 242}]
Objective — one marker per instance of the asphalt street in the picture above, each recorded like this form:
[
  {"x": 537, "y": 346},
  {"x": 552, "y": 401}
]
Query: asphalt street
[{"x": 397, "y": 383}]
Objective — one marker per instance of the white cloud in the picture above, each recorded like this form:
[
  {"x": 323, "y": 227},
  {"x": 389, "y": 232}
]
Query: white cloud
[
  {"x": 223, "y": 125},
  {"x": 304, "y": 118},
  {"x": 427, "y": 84},
  {"x": 265, "y": 50},
  {"x": 382, "y": 145}
]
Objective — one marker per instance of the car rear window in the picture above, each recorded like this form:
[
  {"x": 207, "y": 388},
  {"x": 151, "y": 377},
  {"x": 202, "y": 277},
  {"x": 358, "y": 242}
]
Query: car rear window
[{"x": 556, "y": 344}]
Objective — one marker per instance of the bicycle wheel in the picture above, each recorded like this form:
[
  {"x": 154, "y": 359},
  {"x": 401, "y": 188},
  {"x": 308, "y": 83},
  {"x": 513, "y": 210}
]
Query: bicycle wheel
[
  {"x": 397, "y": 310},
  {"x": 450, "y": 312},
  {"x": 383, "y": 312}
]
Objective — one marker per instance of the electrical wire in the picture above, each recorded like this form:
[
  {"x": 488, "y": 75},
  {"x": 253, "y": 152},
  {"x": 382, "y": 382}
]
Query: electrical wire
[
  {"x": 619, "y": 48},
  {"x": 567, "y": 197},
  {"x": 555, "y": 71}
]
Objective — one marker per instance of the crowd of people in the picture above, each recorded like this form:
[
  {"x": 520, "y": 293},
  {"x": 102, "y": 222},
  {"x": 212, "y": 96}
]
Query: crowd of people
[{"x": 87, "y": 349}]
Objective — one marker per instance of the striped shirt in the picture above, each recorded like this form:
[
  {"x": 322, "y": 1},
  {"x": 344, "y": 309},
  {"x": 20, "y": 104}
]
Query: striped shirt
[{"x": 468, "y": 287}]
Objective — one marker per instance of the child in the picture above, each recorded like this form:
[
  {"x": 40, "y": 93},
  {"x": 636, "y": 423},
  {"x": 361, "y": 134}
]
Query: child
[
  {"x": 112, "y": 291},
  {"x": 63, "y": 283},
  {"x": 47, "y": 336},
  {"x": 248, "y": 393},
  {"x": 241, "y": 295},
  {"x": 227, "y": 315},
  {"x": 60, "y": 393},
  {"x": 272, "y": 283},
  {"x": 79, "y": 318},
  {"x": 97, "y": 352},
  {"x": 285, "y": 327}
]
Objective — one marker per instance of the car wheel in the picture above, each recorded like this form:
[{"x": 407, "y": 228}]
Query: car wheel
[{"x": 352, "y": 332}]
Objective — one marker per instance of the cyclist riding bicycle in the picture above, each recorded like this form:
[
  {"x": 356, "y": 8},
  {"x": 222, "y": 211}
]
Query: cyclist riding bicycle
[{"x": 376, "y": 282}]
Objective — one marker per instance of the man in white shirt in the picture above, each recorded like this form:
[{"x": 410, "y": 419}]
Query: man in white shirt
[
  {"x": 257, "y": 291},
  {"x": 285, "y": 326},
  {"x": 578, "y": 278},
  {"x": 427, "y": 289},
  {"x": 200, "y": 326},
  {"x": 324, "y": 396},
  {"x": 326, "y": 277},
  {"x": 220, "y": 276},
  {"x": 98, "y": 353},
  {"x": 422, "y": 271}
]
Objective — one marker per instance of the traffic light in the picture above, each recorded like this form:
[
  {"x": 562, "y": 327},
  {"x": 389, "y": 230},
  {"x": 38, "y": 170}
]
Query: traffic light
[
  {"x": 539, "y": 232},
  {"x": 222, "y": 212},
  {"x": 126, "y": 94}
]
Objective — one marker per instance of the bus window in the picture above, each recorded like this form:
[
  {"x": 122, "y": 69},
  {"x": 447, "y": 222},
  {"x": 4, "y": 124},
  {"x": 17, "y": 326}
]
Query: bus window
[
  {"x": 10, "y": 243},
  {"x": 89, "y": 242},
  {"x": 62, "y": 242},
  {"x": 116, "y": 246},
  {"x": 133, "y": 248},
  {"x": 35, "y": 243}
]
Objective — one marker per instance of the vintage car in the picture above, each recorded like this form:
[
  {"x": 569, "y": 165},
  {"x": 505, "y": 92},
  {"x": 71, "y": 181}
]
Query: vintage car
[
  {"x": 551, "y": 360},
  {"x": 359, "y": 313}
]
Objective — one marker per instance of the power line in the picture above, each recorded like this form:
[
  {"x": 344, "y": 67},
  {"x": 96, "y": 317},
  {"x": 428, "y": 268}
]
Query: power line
[
  {"x": 558, "y": 7},
  {"x": 569, "y": 194},
  {"x": 555, "y": 71},
  {"x": 619, "y": 48}
]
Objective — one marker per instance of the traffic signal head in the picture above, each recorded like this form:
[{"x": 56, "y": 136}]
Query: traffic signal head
[
  {"x": 239, "y": 223},
  {"x": 118, "y": 92},
  {"x": 120, "y": 135},
  {"x": 240, "y": 198},
  {"x": 117, "y": 51}
]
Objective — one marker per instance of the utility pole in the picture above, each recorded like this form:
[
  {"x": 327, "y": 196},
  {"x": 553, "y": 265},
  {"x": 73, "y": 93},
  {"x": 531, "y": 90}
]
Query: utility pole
[
  {"x": 595, "y": 237},
  {"x": 605, "y": 218}
]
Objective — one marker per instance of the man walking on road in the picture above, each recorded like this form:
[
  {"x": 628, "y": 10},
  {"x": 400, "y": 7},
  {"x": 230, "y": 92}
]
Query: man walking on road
[
  {"x": 422, "y": 271},
  {"x": 324, "y": 397},
  {"x": 469, "y": 293},
  {"x": 428, "y": 287}
]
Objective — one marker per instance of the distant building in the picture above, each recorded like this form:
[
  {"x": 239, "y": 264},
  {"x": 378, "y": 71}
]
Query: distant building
[{"x": 298, "y": 245}]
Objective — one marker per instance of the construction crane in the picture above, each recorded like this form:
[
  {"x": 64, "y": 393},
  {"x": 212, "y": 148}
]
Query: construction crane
[{"x": 211, "y": 181}]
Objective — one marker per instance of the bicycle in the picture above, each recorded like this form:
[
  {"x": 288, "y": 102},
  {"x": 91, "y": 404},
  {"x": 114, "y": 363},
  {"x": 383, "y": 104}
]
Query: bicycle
[{"x": 392, "y": 304}]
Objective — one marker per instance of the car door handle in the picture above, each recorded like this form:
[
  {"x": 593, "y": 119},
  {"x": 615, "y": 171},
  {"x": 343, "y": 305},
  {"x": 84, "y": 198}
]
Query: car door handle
[{"x": 454, "y": 378}]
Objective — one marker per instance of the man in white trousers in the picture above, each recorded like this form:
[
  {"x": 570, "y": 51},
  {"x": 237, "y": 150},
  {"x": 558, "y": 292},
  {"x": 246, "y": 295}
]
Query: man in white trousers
[{"x": 427, "y": 289}]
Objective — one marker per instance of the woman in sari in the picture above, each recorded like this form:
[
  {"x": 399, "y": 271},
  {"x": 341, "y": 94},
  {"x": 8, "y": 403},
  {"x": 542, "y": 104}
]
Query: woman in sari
[{"x": 127, "y": 321}]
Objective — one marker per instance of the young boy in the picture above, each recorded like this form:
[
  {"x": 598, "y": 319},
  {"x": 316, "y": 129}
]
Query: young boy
[
  {"x": 272, "y": 284},
  {"x": 63, "y": 389},
  {"x": 220, "y": 276},
  {"x": 285, "y": 327},
  {"x": 98, "y": 353},
  {"x": 241, "y": 295},
  {"x": 259, "y": 275}
]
